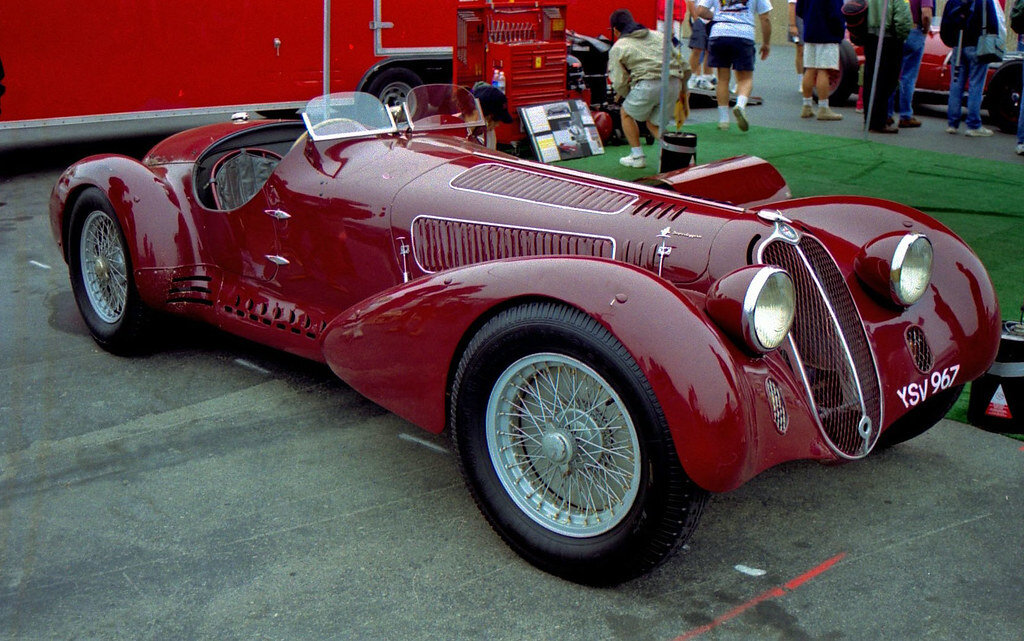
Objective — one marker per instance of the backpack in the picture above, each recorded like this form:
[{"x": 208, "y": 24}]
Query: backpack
[
  {"x": 954, "y": 20},
  {"x": 856, "y": 14},
  {"x": 1017, "y": 17}
]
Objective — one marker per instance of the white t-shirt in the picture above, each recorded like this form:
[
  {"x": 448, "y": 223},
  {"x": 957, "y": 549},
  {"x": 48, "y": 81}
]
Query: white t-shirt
[{"x": 735, "y": 18}]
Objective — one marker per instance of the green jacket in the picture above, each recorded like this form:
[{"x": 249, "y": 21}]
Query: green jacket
[
  {"x": 637, "y": 56},
  {"x": 899, "y": 21}
]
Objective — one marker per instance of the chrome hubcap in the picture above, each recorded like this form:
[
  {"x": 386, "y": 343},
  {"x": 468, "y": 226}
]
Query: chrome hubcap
[
  {"x": 103, "y": 264},
  {"x": 563, "y": 445}
]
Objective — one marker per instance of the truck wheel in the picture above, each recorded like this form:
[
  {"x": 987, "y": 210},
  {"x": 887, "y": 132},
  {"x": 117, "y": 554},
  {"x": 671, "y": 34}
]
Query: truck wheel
[
  {"x": 565, "y": 449},
  {"x": 101, "y": 275},
  {"x": 1003, "y": 96},
  {"x": 920, "y": 419},
  {"x": 391, "y": 86}
]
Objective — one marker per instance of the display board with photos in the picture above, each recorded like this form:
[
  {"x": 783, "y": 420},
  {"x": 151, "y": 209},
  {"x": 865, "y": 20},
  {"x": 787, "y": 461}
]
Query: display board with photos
[{"x": 561, "y": 130}]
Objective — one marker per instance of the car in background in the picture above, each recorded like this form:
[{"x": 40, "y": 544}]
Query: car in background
[{"x": 1002, "y": 89}]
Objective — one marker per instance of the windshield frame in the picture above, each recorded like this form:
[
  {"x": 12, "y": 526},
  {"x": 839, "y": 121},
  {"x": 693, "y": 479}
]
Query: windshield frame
[{"x": 358, "y": 108}]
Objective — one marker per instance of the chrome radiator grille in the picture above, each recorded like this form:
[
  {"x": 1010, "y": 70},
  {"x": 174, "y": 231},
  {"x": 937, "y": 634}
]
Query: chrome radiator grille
[
  {"x": 831, "y": 347},
  {"x": 441, "y": 243}
]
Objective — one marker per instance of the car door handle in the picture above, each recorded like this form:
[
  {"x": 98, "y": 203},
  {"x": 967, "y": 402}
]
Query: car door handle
[
  {"x": 277, "y": 260},
  {"x": 277, "y": 213}
]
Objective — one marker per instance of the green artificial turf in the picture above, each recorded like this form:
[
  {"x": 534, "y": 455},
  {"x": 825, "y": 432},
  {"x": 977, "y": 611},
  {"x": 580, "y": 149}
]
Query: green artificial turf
[{"x": 981, "y": 200}]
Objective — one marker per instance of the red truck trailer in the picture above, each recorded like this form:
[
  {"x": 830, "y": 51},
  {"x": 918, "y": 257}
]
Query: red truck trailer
[{"x": 73, "y": 62}]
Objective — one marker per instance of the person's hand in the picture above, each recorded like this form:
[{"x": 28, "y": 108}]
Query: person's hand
[
  {"x": 765, "y": 49},
  {"x": 793, "y": 31}
]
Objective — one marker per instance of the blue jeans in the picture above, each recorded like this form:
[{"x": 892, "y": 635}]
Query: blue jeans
[
  {"x": 1020, "y": 116},
  {"x": 972, "y": 73},
  {"x": 913, "y": 51}
]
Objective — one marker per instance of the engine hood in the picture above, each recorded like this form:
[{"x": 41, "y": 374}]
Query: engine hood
[{"x": 484, "y": 207}]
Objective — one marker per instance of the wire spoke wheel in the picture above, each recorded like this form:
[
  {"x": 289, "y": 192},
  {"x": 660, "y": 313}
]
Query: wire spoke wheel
[
  {"x": 563, "y": 445},
  {"x": 104, "y": 271}
]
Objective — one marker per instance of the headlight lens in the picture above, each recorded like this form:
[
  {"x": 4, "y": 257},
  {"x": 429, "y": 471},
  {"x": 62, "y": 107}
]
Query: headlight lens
[
  {"x": 754, "y": 305},
  {"x": 769, "y": 307},
  {"x": 911, "y": 270}
]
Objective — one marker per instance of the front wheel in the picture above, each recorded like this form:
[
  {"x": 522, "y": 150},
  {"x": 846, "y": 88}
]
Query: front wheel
[
  {"x": 101, "y": 275},
  {"x": 391, "y": 86},
  {"x": 565, "y": 449}
]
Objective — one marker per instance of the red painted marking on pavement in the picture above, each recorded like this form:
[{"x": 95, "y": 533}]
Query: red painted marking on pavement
[{"x": 773, "y": 593}]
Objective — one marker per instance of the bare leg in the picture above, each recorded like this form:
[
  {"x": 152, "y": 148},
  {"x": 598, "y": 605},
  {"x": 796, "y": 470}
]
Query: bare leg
[{"x": 630, "y": 129}]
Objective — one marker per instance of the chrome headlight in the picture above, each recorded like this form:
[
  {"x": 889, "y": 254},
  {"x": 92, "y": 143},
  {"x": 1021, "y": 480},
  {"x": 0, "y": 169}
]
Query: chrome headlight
[
  {"x": 911, "y": 270},
  {"x": 897, "y": 267},
  {"x": 755, "y": 305}
]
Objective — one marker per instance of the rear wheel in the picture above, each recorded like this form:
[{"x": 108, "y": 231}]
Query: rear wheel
[
  {"x": 1003, "y": 96},
  {"x": 101, "y": 275},
  {"x": 565, "y": 449},
  {"x": 391, "y": 86}
]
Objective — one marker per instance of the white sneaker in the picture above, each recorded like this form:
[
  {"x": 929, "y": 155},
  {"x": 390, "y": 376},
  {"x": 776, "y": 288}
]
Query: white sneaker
[
  {"x": 705, "y": 84},
  {"x": 1020, "y": 149},
  {"x": 952, "y": 130},
  {"x": 741, "y": 118},
  {"x": 980, "y": 132},
  {"x": 724, "y": 126},
  {"x": 638, "y": 162}
]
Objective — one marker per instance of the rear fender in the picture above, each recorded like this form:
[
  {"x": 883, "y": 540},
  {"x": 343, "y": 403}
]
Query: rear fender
[
  {"x": 148, "y": 209},
  {"x": 399, "y": 349}
]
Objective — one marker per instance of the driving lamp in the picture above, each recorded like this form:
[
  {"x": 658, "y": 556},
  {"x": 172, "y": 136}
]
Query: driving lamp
[
  {"x": 755, "y": 305},
  {"x": 897, "y": 266}
]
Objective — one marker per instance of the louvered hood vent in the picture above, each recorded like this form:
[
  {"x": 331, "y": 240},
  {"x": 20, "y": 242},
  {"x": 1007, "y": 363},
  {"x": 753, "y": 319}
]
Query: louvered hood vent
[{"x": 521, "y": 184}]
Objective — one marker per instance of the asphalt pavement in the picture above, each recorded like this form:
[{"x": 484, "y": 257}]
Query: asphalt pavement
[{"x": 213, "y": 489}]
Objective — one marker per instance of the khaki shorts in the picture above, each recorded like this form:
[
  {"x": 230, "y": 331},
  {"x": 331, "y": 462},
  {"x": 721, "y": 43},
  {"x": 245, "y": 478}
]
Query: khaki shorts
[
  {"x": 821, "y": 55},
  {"x": 645, "y": 97}
]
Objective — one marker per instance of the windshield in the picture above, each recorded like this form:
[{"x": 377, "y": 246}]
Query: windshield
[
  {"x": 426, "y": 108},
  {"x": 346, "y": 115},
  {"x": 432, "y": 107}
]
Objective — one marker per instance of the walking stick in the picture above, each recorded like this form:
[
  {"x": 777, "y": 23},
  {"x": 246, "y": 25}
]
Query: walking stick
[{"x": 878, "y": 60}]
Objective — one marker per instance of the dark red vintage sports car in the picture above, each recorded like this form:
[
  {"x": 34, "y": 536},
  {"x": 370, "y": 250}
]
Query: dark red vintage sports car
[{"x": 604, "y": 354}]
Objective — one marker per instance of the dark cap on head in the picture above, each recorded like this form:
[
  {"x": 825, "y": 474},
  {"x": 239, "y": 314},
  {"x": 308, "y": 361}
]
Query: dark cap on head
[
  {"x": 493, "y": 102},
  {"x": 622, "y": 20}
]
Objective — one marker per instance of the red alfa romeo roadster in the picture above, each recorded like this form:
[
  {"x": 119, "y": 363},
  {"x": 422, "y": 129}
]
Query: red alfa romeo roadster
[{"x": 604, "y": 354}]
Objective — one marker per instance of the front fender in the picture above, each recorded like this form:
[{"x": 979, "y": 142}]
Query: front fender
[{"x": 399, "y": 348}]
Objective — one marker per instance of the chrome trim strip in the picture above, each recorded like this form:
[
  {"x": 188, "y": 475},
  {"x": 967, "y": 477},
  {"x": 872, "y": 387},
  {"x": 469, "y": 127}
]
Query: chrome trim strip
[{"x": 412, "y": 234}]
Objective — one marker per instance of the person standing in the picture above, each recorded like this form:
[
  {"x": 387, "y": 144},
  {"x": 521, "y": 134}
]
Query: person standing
[
  {"x": 921, "y": 11},
  {"x": 824, "y": 29},
  {"x": 634, "y": 69},
  {"x": 796, "y": 30},
  {"x": 731, "y": 48},
  {"x": 889, "y": 31},
  {"x": 698, "y": 43},
  {"x": 967, "y": 70}
]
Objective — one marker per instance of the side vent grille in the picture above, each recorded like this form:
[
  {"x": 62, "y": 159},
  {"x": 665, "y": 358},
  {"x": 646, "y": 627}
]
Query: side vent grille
[
  {"x": 440, "y": 243},
  {"x": 658, "y": 210},
  {"x": 521, "y": 184},
  {"x": 192, "y": 289},
  {"x": 274, "y": 316},
  {"x": 919, "y": 349}
]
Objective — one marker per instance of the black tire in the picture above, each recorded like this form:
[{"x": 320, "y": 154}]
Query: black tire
[
  {"x": 101, "y": 276},
  {"x": 1002, "y": 99},
  {"x": 920, "y": 419},
  {"x": 632, "y": 504},
  {"x": 391, "y": 86}
]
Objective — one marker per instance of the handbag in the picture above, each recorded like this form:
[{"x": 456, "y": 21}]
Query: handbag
[{"x": 991, "y": 47}]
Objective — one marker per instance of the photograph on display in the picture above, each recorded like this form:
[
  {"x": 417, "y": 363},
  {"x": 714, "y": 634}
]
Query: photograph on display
[{"x": 561, "y": 130}]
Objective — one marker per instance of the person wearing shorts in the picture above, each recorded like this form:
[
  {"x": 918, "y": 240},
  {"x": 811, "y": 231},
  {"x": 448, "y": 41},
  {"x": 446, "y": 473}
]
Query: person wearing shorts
[
  {"x": 824, "y": 29},
  {"x": 634, "y": 69},
  {"x": 731, "y": 48},
  {"x": 698, "y": 43}
]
